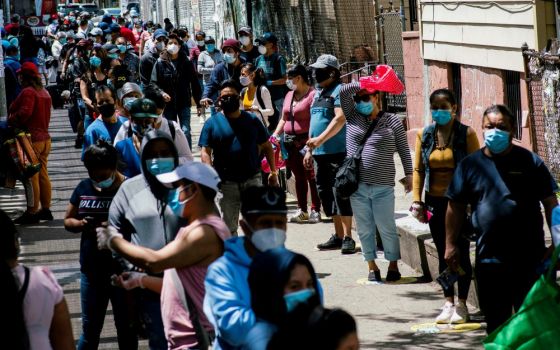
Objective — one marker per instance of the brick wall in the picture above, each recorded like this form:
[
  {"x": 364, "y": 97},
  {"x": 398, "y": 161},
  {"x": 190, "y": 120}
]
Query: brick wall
[{"x": 414, "y": 79}]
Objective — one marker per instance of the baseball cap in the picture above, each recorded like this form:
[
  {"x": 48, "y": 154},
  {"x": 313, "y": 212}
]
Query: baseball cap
[
  {"x": 159, "y": 33},
  {"x": 231, "y": 43},
  {"x": 245, "y": 29},
  {"x": 80, "y": 36},
  {"x": 325, "y": 61},
  {"x": 111, "y": 48},
  {"x": 267, "y": 37},
  {"x": 102, "y": 25},
  {"x": 29, "y": 69},
  {"x": 143, "y": 108},
  {"x": 263, "y": 200},
  {"x": 96, "y": 32},
  {"x": 197, "y": 172},
  {"x": 127, "y": 89}
]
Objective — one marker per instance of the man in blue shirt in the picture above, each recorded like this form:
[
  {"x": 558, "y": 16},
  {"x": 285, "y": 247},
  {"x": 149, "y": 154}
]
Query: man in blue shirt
[
  {"x": 505, "y": 185},
  {"x": 232, "y": 142},
  {"x": 327, "y": 148}
]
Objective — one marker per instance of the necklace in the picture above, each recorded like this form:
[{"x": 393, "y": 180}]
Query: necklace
[
  {"x": 302, "y": 95},
  {"x": 447, "y": 143}
]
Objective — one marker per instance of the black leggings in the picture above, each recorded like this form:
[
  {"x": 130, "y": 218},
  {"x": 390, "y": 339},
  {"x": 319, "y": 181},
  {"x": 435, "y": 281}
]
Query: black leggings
[{"x": 437, "y": 228}]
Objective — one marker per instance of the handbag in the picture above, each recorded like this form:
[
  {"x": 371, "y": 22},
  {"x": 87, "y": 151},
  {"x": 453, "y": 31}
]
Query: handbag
[
  {"x": 535, "y": 325},
  {"x": 294, "y": 140},
  {"x": 347, "y": 180},
  {"x": 22, "y": 153}
]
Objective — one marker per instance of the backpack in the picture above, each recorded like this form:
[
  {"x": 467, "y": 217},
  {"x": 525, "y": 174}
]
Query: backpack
[{"x": 171, "y": 129}]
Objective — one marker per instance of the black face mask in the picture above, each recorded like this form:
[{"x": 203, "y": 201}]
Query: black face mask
[
  {"x": 107, "y": 110},
  {"x": 321, "y": 75},
  {"x": 229, "y": 103}
]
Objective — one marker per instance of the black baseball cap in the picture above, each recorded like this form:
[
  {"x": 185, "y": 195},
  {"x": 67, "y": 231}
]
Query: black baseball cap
[
  {"x": 267, "y": 37},
  {"x": 263, "y": 200},
  {"x": 143, "y": 108}
]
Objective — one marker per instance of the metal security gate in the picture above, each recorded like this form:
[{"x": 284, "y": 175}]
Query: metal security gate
[
  {"x": 391, "y": 25},
  {"x": 542, "y": 72}
]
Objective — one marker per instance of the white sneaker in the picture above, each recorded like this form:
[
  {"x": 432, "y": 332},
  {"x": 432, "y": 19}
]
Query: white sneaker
[
  {"x": 446, "y": 313},
  {"x": 314, "y": 217},
  {"x": 461, "y": 314},
  {"x": 299, "y": 216},
  {"x": 201, "y": 120}
]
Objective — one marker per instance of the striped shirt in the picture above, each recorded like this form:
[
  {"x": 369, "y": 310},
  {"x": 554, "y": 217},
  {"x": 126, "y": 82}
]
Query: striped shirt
[{"x": 377, "y": 166}]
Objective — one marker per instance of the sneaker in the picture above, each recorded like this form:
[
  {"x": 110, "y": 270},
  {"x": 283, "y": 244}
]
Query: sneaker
[
  {"x": 314, "y": 217},
  {"x": 79, "y": 142},
  {"x": 348, "y": 246},
  {"x": 45, "y": 214},
  {"x": 461, "y": 313},
  {"x": 374, "y": 276},
  {"x": 299, "y": 216},
  {"x": 27, "y": 218},
  {"x": 446, "y": 313},
  {"x": 392, "y": 276},
  {"x": 333, "y": 243}
]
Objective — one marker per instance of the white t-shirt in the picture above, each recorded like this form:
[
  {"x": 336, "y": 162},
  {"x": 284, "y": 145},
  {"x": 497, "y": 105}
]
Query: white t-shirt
[
  {"x": 43, "y": 293},
  {"x": 180, "y": 139}
]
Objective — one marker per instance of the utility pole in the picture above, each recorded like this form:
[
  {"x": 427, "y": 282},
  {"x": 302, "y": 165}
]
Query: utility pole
[{"x": 3, "y": 107}]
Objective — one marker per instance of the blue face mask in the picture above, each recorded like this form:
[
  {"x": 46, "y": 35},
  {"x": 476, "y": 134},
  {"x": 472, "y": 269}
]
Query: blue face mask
[
  {"x": 211, "y": 47},
  {"x": 122, "y": 48},
  {"x": 105, "y": 183},
  {"x": 113, "y": 56},
  {"x": 95, "y": 61},
  {"x": 158, "y": 166},
  {"x": 294, "y": 299},
  {"x": 496, "y": 140},
  {"x": 364, "y": 108},
  {"x": 441, "y": 116},
  {"x": 175, "y": 204},
  {"x": 62, "y": 41},
  {"x": 229, "y": 58}
]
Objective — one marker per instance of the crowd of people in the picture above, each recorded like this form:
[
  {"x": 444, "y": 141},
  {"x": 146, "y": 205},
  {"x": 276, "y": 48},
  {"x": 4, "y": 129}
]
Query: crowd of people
[{"x": 159, "y": 230}]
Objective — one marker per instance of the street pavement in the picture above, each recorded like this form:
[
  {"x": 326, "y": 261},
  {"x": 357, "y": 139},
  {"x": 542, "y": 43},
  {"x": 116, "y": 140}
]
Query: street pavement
[{"x": 386, "y": 313}]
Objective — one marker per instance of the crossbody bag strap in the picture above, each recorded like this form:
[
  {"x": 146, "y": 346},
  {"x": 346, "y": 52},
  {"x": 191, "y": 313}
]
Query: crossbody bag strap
[
  {"x": 292, "y": 119},
  {"x": 360, "y": 148},
  {"x": 25, "y": 285}
]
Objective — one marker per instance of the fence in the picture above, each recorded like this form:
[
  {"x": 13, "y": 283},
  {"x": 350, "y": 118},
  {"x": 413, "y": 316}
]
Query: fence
[{"x": 542, "y": 72}]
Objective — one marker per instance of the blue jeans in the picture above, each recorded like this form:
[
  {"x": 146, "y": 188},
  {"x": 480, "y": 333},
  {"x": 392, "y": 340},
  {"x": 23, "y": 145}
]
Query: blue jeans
[
  {"x": 374, "y": 207},
  {"x": 184, "y": 115},
  {"x": 149, "y": 305},
  {"x": 95, "y": 294}
]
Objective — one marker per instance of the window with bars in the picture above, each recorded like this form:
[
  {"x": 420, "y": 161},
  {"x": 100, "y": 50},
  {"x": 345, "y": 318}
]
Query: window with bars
[{"x": 512, "y": 99}]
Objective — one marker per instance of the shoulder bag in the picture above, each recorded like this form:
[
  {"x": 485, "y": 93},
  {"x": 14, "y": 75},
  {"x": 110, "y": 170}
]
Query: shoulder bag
[{"x": 347, "y": 177}]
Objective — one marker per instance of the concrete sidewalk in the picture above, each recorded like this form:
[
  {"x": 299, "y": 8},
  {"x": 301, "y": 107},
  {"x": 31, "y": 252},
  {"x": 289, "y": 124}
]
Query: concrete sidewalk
[{"x": 385, "y": 313}]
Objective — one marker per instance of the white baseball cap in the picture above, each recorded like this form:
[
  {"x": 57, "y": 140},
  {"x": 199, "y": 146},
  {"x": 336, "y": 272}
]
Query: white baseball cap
[{"x": 197, "y": 172}]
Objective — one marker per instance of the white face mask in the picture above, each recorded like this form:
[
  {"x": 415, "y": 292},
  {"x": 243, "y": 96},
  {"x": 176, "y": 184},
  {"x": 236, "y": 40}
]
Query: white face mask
[
  {"x": 262, "y": 49},
  {"x": 267, "y": 238},
  {"x": 172, "y": 49},
  {"x": 200, "y": 43},
  {"x": 160, "y": 46},
  {"x": 245, "y": 40},
  {"x": 290, "y": 84}
]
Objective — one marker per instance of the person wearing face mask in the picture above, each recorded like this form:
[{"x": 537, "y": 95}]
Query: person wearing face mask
[
  {"x": 255, "y": 96},
  {"x": 294, "y": 125},
  {"x": 141, "y": 214},
  {"x": 207, "y": 60},
  {"x": 233, "y": 142},
  {"x": 94, "y": 77},
  {"x": 11, "y": 66},
  {"x": 109, "y": 124},
  {"x": 88, "y": 209},
  {"x": 128, "y": 59},
  {"x": 373, "y": 204},
  {"x": 284, "y": 292},
  {"x": 56, "y": 51},
  {"x": 151, "y": 55},
  {"x": 326, "y": 150},
  {"x": 145, "y": 40},
  {"x": 200, "y": 38},
  {"x": 96, "y": 35},
  {"x": 169, "y": 127},
  {"x": 505, "y": 186},
  {"x": 229, "y": 69},
  {"x": 439, "y": 148},
  {"x": 193, "y": 189},
  {"x": 249, "y": 52},
  {"x": 227, "y": 302},
  {"x": 274, "y": 67},
  {"x": 174, "y": 74},
  {"x": 143, "y": 117}
]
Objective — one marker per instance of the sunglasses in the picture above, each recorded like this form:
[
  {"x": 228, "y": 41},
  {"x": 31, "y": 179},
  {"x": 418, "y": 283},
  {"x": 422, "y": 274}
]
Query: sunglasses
[{"x": 361, "y": 98}]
